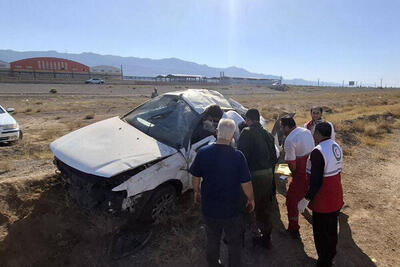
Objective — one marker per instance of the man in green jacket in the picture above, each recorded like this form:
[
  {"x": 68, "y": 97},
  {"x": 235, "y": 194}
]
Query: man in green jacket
[{"x": 257, "y": 144}]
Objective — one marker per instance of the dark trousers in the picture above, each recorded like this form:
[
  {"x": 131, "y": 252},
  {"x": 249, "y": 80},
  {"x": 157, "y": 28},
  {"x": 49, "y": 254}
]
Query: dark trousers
[
  {"x": 262, "y": 181},
  {"x": 325, "y": 229},
  {"x": 232, "y": 228}
]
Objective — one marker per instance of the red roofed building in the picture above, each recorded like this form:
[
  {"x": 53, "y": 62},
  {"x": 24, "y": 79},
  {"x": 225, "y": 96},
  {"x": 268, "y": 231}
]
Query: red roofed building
[{"x": 52, "y": 64}]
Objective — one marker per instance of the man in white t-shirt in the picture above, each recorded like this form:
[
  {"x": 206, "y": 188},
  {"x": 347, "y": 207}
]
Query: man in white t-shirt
[
  {"x": 316, "y": 117},
  {"x": 298, "y": 145},
  {"x": 233, "y": 115}
]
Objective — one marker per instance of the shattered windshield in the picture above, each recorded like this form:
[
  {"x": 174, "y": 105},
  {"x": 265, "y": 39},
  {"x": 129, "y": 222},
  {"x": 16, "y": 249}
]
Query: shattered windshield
[{"x": 166, "y": 118}]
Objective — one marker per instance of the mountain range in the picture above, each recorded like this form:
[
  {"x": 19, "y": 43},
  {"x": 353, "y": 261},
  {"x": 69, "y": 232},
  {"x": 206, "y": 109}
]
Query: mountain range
[{"x": 135, "y": 66}]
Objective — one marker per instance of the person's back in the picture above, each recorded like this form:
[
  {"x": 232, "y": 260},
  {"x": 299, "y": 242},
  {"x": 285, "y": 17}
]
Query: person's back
[
  {"x": 224, "y": 171},
  {"x": 233, "y": 115},
  {"x": 298, "y": 145},
  {"x": 258, "y": 146},
  {"x": 221, "y": 185}
]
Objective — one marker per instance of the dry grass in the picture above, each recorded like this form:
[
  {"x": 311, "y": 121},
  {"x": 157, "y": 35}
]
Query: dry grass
[
  {"x": 34, "y": 151},
  {"x": 358, "y": 117},
  {"x": 183, "y": 231},
  {"x": 371, "y": 130},
  {"x": 179, "y": 238},
  {"x": 74, "y": 125},
  {"x": 50, "y": 135},
  {"x": 5, "y": 167},
  {"x": 27, "y": 111}
]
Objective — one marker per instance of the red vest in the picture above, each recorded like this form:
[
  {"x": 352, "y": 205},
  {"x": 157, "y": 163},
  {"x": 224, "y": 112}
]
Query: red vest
[
  {"x": 308, "y": 125},
  {"x": 330, "y": 196}
]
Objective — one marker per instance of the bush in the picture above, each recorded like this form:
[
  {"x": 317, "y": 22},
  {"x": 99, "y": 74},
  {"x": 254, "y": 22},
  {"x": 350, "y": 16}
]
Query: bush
[
  {"x": 53, "y": 91},
  {"x": 359, "y": 126},
  {"x": 89, "y": 117},
  {"x": 385, "y": 127},
  {"x": 371, "y": 130}
]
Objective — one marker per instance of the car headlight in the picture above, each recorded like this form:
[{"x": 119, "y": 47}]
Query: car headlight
[{"x": 10, "y": 126}]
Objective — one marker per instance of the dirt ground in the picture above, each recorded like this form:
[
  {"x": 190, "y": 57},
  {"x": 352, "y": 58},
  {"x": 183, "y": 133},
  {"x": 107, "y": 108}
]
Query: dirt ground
[{"x": 41, "y": 226}]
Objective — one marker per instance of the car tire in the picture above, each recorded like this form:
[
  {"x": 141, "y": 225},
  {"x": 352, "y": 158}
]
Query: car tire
[{"x": 161, "y": 204}]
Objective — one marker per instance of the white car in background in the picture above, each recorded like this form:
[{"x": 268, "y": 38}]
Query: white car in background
[
  {"x": 94, "y": 81},
  {"x": 9, "y": 127}
]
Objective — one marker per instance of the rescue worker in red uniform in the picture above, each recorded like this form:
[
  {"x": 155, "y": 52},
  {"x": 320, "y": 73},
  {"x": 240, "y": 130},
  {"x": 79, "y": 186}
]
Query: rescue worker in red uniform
[
  {"x": 298, "y": 145},
  {"x": 325, "y": 194},
  {"x": 316, "y": 117}
]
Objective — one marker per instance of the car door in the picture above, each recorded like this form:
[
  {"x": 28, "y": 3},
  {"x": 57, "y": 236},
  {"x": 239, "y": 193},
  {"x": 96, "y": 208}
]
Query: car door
[{"x": 190, "y": 154}]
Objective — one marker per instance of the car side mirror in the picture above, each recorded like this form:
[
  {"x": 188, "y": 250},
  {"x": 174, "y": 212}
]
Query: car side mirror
[{"x": 10, "y": 110}]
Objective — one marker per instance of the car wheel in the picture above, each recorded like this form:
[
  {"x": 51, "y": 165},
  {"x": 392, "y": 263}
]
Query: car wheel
[{"x": 160, "y": 205}]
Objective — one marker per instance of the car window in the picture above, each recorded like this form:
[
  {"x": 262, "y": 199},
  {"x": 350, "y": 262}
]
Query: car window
[
  {"x": 1, "y": 110},
  {"x": 168, "y": 119}
]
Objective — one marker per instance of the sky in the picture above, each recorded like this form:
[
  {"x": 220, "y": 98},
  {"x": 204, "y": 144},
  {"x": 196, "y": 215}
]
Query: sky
[{"x": 310, "y": 39}]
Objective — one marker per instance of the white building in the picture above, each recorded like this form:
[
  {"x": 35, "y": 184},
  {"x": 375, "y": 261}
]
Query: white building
[
  {"x": 4, "y": 65},
  {"x": 103, "y": 69}
]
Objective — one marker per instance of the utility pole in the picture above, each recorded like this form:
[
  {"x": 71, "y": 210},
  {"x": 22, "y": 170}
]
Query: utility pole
[
  {"x": 122, "y": 74},
  {"x": 343, "y": 83},
  {"x": 381, "y": 82},
  {"x": 318, "y": 82}
]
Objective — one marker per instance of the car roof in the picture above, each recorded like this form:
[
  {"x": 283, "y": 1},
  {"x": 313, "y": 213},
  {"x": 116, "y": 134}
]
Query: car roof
[{"x": 200, "y": 99}]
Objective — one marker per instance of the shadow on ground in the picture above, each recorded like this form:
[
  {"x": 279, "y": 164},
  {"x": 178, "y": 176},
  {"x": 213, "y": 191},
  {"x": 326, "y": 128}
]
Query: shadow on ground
[{"x": 51, "y": 231}]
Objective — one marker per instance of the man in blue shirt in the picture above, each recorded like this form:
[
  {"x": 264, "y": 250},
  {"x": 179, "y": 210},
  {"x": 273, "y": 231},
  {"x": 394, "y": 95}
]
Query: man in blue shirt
[{"x": 225, "y": 173}]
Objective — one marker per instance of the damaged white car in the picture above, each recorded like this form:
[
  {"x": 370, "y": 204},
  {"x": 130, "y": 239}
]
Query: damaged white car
[{"x": 138, "y": 162}]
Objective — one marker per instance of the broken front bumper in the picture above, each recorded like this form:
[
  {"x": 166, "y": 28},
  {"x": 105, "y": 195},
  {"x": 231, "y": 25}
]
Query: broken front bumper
[
  {"x": 7, "y": 136},
  {"x": 91, "y": 191}
]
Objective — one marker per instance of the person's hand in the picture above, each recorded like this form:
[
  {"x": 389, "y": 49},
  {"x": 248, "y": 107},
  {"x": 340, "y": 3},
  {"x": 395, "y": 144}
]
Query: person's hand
[
  {"x": 197, "y": 197},
  {"x": 302, "y": 205},
  {"x": 250, "y": 205}
]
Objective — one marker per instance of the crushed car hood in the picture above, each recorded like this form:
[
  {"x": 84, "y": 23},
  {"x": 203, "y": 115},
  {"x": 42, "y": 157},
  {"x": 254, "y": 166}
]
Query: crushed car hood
[{"x": 108, "y": 147}]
